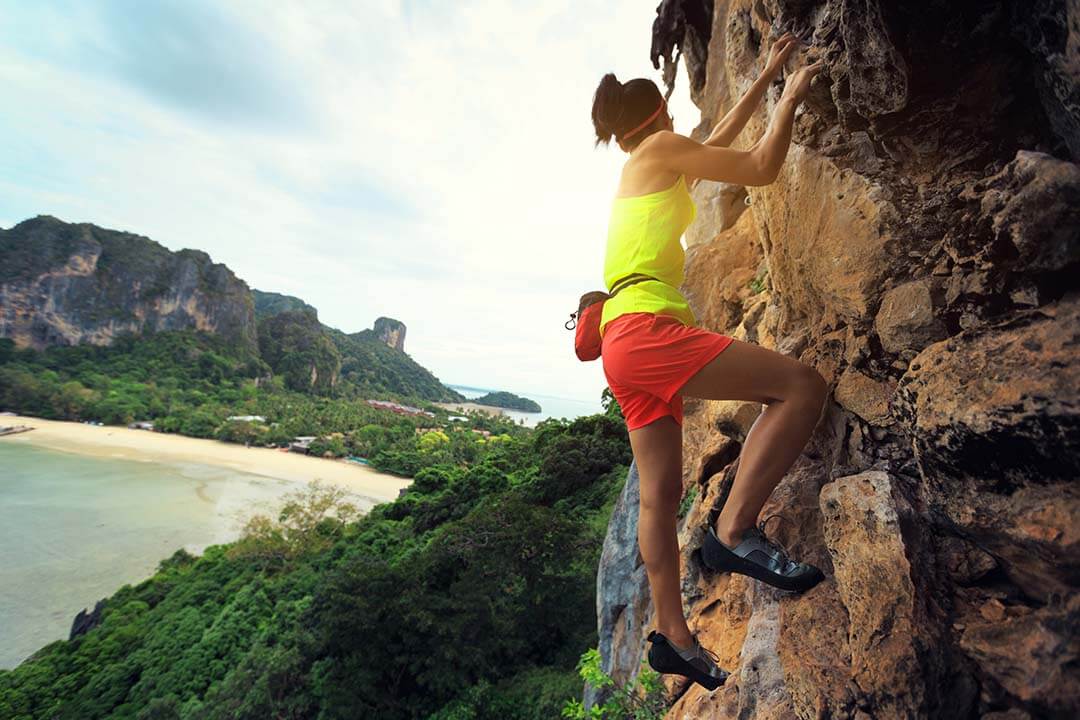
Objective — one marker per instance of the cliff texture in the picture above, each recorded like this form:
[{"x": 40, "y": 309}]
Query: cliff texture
[
  {"x": 65, "y": 284},
  {"x": 391, "y": 332},
  {"x": 921, "y": 249}
]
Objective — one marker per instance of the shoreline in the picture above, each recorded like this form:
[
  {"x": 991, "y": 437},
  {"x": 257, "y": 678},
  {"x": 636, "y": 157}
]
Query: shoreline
[
  {"x": 462, "y": 407},
  {"x": 111, "y": 441}
]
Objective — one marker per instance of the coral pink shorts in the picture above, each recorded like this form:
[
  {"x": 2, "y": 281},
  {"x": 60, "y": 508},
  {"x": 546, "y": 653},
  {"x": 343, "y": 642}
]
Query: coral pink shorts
[{"x": 648, "y": 357}]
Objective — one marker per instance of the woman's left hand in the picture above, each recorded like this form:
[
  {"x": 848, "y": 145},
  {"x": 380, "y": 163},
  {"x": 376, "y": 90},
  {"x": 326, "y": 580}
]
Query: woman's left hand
[{"x": 779, "y": 53}]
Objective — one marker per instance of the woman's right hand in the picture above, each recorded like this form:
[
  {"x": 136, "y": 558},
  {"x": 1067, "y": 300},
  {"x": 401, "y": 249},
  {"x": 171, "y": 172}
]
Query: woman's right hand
[
  {"x": 798, "y": 83},
  {"x": 779, "y": 53}
]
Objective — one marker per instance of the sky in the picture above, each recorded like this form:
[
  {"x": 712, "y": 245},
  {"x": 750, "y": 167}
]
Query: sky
[{"x": 432, "y": 162}]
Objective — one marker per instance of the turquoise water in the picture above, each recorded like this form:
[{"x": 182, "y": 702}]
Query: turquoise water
[{"x": 74, "y": 529}]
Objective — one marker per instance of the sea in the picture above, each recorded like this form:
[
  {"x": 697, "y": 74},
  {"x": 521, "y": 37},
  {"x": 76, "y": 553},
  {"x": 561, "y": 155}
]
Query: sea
[
  {"x": 76, "y": 528},
  {"x": 550, "y": 405}
]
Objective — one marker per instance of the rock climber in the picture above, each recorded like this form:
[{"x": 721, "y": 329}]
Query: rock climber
[{"x": 654, "y": 353}]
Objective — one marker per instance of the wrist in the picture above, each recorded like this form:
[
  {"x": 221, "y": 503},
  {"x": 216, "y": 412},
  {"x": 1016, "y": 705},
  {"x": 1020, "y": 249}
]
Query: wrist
[{"x": 786, "y": 101}]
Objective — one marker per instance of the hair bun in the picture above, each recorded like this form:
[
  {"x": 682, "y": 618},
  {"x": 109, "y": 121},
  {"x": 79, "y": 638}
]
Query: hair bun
[
  {"x": 608, "y": 106},
  {"x": 618, "y": 84}
]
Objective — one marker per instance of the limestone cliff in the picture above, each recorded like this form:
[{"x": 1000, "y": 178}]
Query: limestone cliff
[
  {"x": 921, "y": 249},
  {"x": 65, "y": 284},
  {"x": 391, "y": 332}
]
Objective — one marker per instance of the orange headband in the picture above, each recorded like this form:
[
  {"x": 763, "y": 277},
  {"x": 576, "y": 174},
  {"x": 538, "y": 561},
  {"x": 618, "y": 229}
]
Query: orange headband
[{"x": 663, "y": 104}]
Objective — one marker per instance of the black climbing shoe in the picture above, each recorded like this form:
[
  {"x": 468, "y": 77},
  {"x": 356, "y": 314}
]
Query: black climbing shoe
[
  {"x": 759, "y": 557},
  {"x": 696, "y": 662}
]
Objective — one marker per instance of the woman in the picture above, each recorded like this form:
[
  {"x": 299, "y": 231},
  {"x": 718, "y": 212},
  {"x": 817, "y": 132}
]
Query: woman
[{"x": 654, "y": 355}]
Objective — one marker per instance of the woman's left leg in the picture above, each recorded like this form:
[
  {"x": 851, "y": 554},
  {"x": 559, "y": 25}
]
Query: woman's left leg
[{"x": 657, "y": 449}]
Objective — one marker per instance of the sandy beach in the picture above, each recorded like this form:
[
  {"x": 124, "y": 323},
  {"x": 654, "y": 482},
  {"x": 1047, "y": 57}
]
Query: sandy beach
[
  {"x": 119, "y": 442},
  {"x": 464, "y": 406}
]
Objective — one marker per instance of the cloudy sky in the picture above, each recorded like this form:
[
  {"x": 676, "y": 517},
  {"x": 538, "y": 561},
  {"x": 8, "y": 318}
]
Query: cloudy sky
[{"x": 428, "y": 161}]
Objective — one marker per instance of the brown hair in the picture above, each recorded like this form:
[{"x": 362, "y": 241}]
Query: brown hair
[{"x": 620, "y": 107}]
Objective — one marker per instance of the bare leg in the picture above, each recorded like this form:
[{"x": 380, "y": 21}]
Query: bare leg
[
  {"x": 794, "y": 395},
  {"x": 657, "y": 451}
]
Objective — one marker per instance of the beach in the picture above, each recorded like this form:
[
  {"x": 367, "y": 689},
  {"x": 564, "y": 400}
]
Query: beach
[
  {"x": 465, "y": 406},
  {"x": 143, "y": 445},
  {"x": 86, "y": 509}
]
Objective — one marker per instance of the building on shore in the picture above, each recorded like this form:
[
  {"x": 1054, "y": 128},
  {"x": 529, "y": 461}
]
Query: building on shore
[
  {"x": 399, "y": 408},
  {"x": 301, "y": 444}
]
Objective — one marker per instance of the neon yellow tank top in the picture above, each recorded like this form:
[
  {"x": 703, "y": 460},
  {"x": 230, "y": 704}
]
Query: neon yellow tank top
[{"x": 643, "y": 237}]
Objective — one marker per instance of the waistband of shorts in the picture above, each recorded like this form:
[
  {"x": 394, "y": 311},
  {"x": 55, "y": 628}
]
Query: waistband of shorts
[
  {"x": 640, "y": 318},
  {"x": 638, "y": 321},
  {"x": 627, "y": 319}
]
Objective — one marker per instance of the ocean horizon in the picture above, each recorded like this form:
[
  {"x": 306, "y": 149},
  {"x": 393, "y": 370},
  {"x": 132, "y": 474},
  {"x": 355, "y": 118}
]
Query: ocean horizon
[{"x": 551, "y": 405}]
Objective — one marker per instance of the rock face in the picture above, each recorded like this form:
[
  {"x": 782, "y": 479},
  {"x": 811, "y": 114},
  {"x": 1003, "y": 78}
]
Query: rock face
[
  {"x": 391, "y": 332},
  {"x": 84, "y": 622},
  {"x": 921, "y": 250},
  {"x": 622, "y": 587},
  {"x": 65, "y": 284}
]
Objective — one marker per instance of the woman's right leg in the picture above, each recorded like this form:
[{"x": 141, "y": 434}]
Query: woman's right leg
[
  {"x": 657, "y": 449},
  {"x": 794, "y": 394}
]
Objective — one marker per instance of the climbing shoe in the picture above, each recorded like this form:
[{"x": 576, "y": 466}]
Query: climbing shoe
[
  {"x": 695, "y": 662},
  {"x": 759, "y": 557}
]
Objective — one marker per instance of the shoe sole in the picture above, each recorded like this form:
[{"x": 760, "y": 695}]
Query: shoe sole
[
  {"x": 663, "y": 659},
  {"x": 733, "y": 563}
]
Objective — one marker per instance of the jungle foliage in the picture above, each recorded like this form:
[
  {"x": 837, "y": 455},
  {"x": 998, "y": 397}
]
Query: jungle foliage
[
  {"x": 191, "y": 383},
  {"x": 470, "y": 596}
]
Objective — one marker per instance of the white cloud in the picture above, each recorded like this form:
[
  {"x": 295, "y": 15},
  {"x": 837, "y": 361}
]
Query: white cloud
[{"x": 443, "y": 173}]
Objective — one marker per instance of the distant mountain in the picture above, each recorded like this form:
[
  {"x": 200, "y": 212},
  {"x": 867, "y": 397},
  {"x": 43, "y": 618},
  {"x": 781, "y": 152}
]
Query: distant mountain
[
  {"x": 73, "y": 283},
  {"x": 312, "y": 356},
  {"x": 65, "y": 284},
  {"x": 295, "y": 345},
  {"x": 372, "y": 365},
  {"x": 271, "y": 303}
]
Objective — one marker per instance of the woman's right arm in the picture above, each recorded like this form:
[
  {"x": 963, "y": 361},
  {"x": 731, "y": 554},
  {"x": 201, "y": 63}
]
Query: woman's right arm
[
  {"x": 735, "y": 120},
  {"x": 756, "y": 166}
]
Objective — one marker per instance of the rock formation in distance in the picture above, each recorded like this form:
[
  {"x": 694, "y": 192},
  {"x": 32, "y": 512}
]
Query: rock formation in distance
[{"x": 391, "y": 332}]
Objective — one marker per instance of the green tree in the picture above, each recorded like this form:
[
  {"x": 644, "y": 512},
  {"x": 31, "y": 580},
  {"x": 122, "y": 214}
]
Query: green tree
[
  {"x": 642, "y": 700},
  {"x": 610, "y": 404}
]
